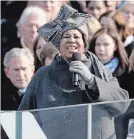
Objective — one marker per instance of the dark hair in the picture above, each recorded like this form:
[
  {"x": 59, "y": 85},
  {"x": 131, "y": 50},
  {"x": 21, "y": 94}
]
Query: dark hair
[
  {"x": 49, "y": 50},
  {"x": 120, "y": 23},
  {"x": 122, "y": 27},
  {"x": 108, "y": 13},
  {"x": 105, "y": 2},
  {"x": 120, "y": 52},
  {"x": 87, "y": 2},
  {"x": 36, "y": 59}
]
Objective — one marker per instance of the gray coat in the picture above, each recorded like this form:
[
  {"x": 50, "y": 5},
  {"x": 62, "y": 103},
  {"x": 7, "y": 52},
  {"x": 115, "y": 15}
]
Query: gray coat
[
  {"x": 51, "y": 86},
  {"x": 103, "y": 118}
]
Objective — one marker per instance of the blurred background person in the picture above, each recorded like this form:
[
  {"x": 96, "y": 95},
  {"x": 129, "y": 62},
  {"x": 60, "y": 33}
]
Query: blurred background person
[
  {"x": 30, "y": 20},
  {"x": 128, "y": 11},
  {"x": 111, "y": 5},
  {"x": 106, "y": 20},
  {"x": 79, "y": 5},
  {"x": 43, "y": 52},
  {"x": 37, "y": 48},
  {"x": 93, "y": 26},
  {"x": 48, "y": 53},
  {"x": 19, "y": 69},
  {"x": 108, "y": 47},
  {"x": 96, "y": 8},
  {"x": 51, "y": 7},
  {"x": 117, "y": 21}
]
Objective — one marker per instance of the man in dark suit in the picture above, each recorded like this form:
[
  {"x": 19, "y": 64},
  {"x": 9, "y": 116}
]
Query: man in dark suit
[
  {"x": 19, "y": 69},
  {"x": 24, "y": 33}
]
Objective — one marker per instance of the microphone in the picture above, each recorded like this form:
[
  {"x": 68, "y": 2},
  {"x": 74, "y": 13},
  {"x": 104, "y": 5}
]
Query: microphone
[{"x": 75, "y": 57}]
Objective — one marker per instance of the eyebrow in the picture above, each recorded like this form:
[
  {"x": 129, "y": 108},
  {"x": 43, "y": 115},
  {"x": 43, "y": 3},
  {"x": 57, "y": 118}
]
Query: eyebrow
[
  {"x": 70, "y": 34},
  {"x": 66, "y": 34}
]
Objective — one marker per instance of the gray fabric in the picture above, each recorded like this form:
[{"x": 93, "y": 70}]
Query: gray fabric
[
  {"x": 51, "y": 86},
  {"x": 103, "y": 118},
  {"x": 68, "y": 18}
]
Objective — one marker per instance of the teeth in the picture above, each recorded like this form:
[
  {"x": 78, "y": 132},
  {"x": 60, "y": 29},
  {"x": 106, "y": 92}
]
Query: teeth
[{"x": 72, "y": 47}]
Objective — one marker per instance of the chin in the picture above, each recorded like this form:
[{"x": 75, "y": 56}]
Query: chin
[
  {"x": 69, "y": 56},
  {"x": 21, "y": 86}
]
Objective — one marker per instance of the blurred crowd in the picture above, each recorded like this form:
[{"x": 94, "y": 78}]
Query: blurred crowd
[{"x": 23, "y": 51}]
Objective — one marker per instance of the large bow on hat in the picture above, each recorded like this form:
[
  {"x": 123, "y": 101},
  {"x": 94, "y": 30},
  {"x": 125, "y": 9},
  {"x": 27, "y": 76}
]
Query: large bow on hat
[{"x": 67, "y": 18}]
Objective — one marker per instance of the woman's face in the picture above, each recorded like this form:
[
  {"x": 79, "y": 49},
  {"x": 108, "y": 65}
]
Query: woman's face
[
  {"x": 107, "y": 22},
  {"x": 128, "y": 12},
  {"x": 71, "y": 42},
  {"x": 111, "y": 5},
  {"x": 40, "y": 45},
  {"x": 96, "y": 8},
  {"x": 52, "y": 7},
  {"x": 105, "y": 48},
  {"x": 48, "y": 61}
]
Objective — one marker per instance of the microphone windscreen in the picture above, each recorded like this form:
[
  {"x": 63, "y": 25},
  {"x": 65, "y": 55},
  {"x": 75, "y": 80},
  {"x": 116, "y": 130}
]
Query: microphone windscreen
[{"x": 76, "y": 56}]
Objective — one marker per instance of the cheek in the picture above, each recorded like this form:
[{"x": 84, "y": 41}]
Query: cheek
[
  {"x": 109, "y": 52},
  {"x": 81, "y": 50},
  {"x": 12, "y": 73},
  {"x": 29, "y": 74},
  {"x": 22, "y": 31},
  {"x": 62, "y": 46},
  {"x": 97, "y": 49},
  {"x": 112, "y": 52},
  {"x": 62, "y": 42},
  {"x": 81, "y": 45},
  {"x": 62, "y": 50}
]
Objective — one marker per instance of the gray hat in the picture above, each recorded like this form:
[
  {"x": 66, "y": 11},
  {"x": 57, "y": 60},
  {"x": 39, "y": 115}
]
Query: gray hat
[{"x": 68, "y": 18}]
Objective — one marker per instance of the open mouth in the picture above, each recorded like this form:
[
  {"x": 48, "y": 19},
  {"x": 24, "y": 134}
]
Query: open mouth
[{"x": 72, "y": 48}]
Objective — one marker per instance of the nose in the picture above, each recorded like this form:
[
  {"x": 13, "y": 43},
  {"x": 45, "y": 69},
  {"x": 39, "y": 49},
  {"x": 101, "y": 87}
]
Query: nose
[
  {"x": 95, "y": 12},
  {"x": 20, "y": 73},
  {"x": 130, "y": 15},
  {"x": 71, "y": 40},
  {"x": 34, "y": 29},
  {"x": 47, "y": 5},
  {"x": 101, "y": 48}
]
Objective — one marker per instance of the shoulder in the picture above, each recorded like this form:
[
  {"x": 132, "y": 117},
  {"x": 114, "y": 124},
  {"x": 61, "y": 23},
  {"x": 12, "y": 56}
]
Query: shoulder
[
  {"x": 43, "y": 71},
  {"x": 88, "y": 53},
  {"x": 41, "y": 74},
  {"x": 94, "y": 60}
]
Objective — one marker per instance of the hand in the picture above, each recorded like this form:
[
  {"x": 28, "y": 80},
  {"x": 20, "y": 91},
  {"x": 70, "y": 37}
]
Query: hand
[{"x": 82, "y": 70}]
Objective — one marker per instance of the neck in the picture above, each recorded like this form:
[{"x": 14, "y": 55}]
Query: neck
[
  {"x": 106, "y": 61},
  {"x": 83, "y": 57},
  {"x": 26, "y": 44},
  {"x": 112, "y": 64}
]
